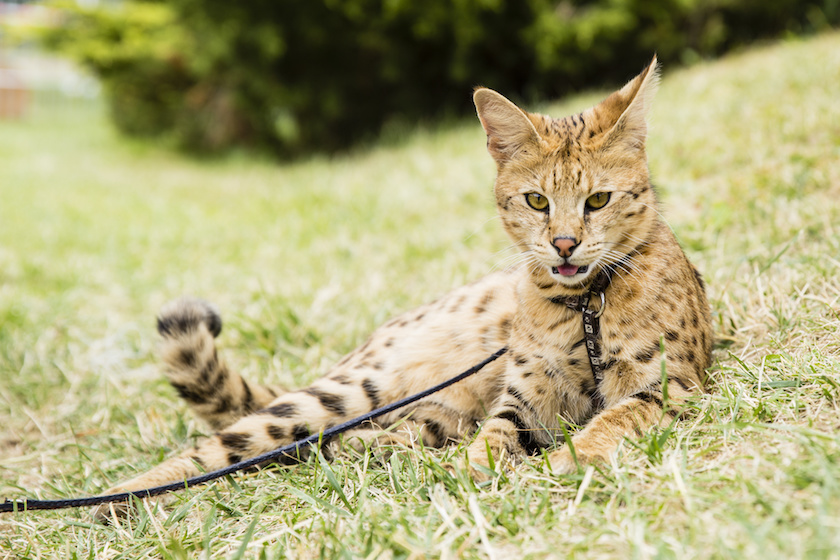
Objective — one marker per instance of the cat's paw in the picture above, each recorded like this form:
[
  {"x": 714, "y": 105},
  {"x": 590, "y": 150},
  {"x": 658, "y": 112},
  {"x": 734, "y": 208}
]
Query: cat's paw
[
  {"x": 478, "y": 470},
  {"x": 382, "y": 443},
  {"x": 563, "y": 462},
  {"x": 484, "y": 465},
  {"x": 185, "y": 314},
  {"x": 108, "y": 512},
  {"x": 105, "y": 513}
]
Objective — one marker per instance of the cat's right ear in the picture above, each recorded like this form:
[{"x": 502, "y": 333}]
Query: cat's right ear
[{"x": 509, "y": 130}]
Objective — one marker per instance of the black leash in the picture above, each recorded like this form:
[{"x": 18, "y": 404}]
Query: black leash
[{"x": 26, "y": 504}]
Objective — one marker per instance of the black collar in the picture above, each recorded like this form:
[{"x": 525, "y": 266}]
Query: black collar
[{"x": 596, "y": 289}]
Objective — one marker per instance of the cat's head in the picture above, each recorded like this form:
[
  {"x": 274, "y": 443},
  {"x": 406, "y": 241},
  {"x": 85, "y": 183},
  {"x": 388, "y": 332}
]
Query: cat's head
[{"x": 573, "y": 193}]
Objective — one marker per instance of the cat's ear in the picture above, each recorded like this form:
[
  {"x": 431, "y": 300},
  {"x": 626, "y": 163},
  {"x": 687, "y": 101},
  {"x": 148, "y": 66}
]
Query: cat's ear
[
  {"x": 509, "y": 130},
  {"x": 623, "y": 115}
]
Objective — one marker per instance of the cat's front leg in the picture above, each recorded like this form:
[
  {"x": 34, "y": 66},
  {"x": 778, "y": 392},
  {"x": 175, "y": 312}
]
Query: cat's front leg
[
  {"x": 516, "y": 423},
  {"x": 496, "y": 447},
  {"x": 629, "y": 417}
]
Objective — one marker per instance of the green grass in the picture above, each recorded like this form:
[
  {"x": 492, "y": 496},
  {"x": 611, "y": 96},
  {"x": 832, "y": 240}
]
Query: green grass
[{"x": 96, "y": 232}]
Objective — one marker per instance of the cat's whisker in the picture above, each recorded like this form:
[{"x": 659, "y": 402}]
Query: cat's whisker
[
  {"x": 481, "y": 226},
  {"x": 512, "y": 256},
  {"x": 619, "y": 255},
  {"x": 624, "y": 263},
  {"x": 518, "y": 246},
  {"x": 661, "y": 216},
  {"x": 513, "y": 261},
  {"x": 623, "y": 277},
  {"x": 534, "y": 265},
  {"x": 637, "y": 239},
  {"x": 531, "y": 261},
  {"x": 630, "y": 272},
  {"x": 632, "y": 248},
  {"x": 631, "y": 253},
  {"x": 509, "y": 263}
]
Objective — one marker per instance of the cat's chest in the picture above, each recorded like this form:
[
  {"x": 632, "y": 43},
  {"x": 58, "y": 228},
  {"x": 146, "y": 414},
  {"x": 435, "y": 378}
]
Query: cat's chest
[{"x": 554, "y": 337}]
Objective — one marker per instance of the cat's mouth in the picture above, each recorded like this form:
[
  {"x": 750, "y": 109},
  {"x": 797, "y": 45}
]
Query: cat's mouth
[{"x": 569, "y": 269}]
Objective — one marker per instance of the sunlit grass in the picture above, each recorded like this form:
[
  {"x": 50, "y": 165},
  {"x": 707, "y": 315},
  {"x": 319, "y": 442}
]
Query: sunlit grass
[{"x": 304, "y": 259}]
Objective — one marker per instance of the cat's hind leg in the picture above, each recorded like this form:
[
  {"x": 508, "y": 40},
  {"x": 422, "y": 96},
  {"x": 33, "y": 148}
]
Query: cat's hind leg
[
  {"x": 291, "y": 417},
  {"x": 432, "y": 422},
  {"x": 214, "y": 392}
]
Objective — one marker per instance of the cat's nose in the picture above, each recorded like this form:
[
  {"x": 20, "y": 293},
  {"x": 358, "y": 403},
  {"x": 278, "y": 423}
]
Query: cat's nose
[{"x": 565, "y": 245}]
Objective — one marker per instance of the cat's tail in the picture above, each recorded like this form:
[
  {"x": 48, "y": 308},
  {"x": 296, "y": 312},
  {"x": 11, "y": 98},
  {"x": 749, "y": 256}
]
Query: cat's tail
[{"x": 215, "y": 393}]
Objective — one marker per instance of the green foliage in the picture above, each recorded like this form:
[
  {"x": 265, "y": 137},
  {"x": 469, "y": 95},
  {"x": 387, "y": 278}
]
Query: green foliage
[
  {"x": 323, "y": 74},
  {"x": 138, "y": 52}
]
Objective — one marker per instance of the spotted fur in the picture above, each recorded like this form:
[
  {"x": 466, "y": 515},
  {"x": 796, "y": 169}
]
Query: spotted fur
[{"x": 522, "y": 402}]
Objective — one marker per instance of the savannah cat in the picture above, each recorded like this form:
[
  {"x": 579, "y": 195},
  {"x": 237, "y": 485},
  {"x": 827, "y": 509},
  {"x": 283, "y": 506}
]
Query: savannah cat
[{"x": 574, "y": 194}]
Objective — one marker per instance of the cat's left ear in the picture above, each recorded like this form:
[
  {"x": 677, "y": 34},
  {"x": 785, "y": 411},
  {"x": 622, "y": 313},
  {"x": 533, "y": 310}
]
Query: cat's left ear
[
  {"x": 626, "y": 110},
  {"x": 509, "y": 130}
]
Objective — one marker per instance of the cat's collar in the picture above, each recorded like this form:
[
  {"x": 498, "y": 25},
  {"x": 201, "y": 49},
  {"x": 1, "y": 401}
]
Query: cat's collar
[{"x": 596, "y": 290}]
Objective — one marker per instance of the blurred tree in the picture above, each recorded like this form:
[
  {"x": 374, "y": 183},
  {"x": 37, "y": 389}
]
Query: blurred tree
[{"x": 297, "y": 76}]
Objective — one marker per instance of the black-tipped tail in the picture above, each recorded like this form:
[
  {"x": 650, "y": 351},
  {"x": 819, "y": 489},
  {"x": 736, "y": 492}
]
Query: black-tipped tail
[{"x": 185, "y": 315}]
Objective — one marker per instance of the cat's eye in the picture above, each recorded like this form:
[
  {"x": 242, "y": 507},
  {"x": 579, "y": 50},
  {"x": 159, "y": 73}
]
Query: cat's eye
[
  {"x": 536, "y": 201},
  {"x": 597, "y": 200}
]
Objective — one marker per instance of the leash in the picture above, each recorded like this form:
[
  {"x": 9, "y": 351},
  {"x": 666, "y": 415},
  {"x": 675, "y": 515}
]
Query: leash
[
  {"x": 26, "y": 504},
  {"x": 591, "y": 326}
]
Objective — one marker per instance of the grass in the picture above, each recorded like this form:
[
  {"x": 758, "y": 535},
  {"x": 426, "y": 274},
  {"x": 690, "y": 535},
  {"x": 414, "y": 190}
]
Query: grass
[{"x": 96, "y": 232}]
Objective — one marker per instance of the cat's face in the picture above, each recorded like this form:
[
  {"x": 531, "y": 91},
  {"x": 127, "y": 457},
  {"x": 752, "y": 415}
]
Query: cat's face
[
  {"x": 574, "y": 194},
  {"x": 573, "y": 213}
]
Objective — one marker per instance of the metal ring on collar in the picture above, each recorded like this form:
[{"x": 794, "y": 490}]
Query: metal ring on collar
[{"x": 603, "y": 305}]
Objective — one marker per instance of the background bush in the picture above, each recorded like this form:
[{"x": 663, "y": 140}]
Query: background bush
[{"x": 296, "y": 76}]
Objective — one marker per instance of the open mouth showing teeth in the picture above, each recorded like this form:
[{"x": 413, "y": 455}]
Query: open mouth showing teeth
[{"x": 568, "y": 269}]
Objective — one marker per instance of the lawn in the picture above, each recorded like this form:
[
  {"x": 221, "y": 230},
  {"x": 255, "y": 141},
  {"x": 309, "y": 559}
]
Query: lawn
[{"x": 306, "y": 258}]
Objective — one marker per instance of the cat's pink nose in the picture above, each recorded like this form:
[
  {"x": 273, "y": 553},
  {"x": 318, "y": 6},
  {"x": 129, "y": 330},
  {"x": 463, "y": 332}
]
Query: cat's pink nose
[{"x": 565, "y": 245}]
